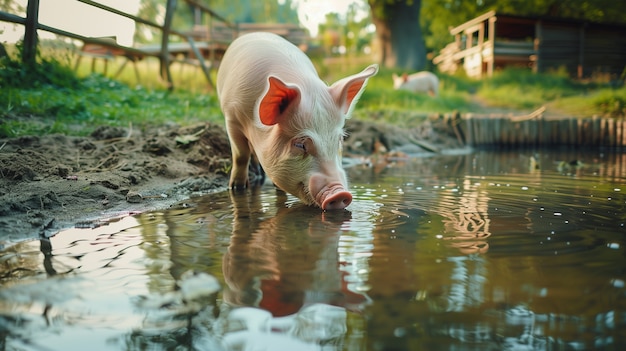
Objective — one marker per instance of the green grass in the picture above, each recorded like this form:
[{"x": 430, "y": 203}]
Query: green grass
[
  {"x": 381, "y": 102},
  {"x": 54, "y": 98},
  {"x": 601, "y": 102},
  {"x": 521, "y": 89},
  {"x": 99, "y": 101},
  {"x": 51, "y": 98}
]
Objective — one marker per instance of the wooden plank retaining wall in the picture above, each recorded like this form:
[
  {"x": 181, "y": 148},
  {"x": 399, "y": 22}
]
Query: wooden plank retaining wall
[{"x": 513, "y": 132}]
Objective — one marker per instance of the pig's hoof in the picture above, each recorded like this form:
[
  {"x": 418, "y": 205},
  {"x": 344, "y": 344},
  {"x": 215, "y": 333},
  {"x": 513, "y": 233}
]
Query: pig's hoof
[
  {"x": 337, "y": 201},
  {"x": 239, "y": 186},
  {"x": 256, "y": 180},
  {"x": 238, "y": 189}
]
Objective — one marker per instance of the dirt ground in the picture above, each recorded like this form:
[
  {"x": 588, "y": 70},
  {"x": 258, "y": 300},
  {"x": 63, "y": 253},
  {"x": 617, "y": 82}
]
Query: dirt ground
[{"x": 53, "y": 182}]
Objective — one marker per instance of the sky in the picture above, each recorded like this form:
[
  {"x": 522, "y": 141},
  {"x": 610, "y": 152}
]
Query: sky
[
  {"x": 73, "y": 16},
  {"x": 313, "y": 12}
]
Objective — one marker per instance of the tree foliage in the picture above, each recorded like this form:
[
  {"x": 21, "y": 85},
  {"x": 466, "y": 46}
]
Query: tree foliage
[
  {"x": 11, "y": 7},
  {"x": 253, "y": 11},
  {"x": 235, "y": 11},
  {"x": 350, "y": 32}
]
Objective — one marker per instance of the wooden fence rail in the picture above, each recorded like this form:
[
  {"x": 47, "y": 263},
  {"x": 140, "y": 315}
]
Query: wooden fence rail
[
  {"x": 535, "y": 132},
  {"x": 164, "y": 52}
]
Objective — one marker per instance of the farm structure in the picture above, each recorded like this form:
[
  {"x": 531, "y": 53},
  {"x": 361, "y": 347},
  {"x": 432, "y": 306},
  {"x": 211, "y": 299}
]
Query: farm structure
[{"x": 492, "y": 41}]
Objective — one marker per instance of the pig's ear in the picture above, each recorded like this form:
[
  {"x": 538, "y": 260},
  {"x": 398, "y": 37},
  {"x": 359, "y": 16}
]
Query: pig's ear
[
  {"x": 347, "y": 91},
  {"x": 278, "y": 99}
]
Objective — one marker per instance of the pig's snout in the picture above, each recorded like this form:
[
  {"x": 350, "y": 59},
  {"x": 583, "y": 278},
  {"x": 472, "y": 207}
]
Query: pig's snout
[
  {"x": 337, "y": 200},
  {"x": 329, "y": 195}
]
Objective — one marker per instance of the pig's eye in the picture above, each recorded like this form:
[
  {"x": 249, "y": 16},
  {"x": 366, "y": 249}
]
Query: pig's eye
[{"x": 300, "y": 145}]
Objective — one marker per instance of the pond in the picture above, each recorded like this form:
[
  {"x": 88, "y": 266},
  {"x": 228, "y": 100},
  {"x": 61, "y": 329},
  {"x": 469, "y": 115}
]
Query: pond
[{"x": 489, "y": 250}]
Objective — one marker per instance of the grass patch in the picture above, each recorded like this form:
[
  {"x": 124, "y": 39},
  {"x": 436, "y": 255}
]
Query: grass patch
[
  {"x": 601, "y": 102},
  {"x": 99, "y": 101},
  {"x": 51, "y": 98},
  {"x": 54, "y": 98},
  {"x": 522, "y": 89},
  {"x": 381, "y": 102}
]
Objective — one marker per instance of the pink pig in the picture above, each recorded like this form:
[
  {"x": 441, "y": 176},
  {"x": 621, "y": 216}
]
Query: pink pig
[
  {"x": 420, "y": 82},
  {"x": 279, "y": 110}
]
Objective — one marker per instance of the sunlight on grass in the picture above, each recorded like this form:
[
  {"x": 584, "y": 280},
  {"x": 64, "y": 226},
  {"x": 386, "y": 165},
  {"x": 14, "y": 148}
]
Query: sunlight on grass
[
  {"x": 603, "y": 102},
  {"x": 380, "y": 96},
  {"x": 57, "y": 97},
  {"x": 520, "y": 88},
  {"x": 185, "y": 77}
]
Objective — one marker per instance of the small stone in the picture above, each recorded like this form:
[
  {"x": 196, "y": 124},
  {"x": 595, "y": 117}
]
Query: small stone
[{"x": 134, "y": 197}]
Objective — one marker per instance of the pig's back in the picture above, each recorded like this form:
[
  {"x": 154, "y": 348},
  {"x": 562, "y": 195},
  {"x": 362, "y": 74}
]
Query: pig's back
[
  {"x": 422, "y": 75},
  {"x": 251, "y": 58}
]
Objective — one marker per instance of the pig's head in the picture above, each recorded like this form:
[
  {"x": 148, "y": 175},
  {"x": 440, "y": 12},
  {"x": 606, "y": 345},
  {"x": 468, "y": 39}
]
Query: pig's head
[
  {"x": 398, "y": 81},
  {"x": 305, "y": 123}
]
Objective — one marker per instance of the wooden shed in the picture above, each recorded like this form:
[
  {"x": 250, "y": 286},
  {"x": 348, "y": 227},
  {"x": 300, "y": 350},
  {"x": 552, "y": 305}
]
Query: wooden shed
[{"x": 492, "y": 41}]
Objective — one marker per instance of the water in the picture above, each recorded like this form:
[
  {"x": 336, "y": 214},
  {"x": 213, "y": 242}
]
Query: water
[{"x": 486, "y": 251}]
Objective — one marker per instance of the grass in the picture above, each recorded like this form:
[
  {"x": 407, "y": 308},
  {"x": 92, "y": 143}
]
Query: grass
[
  {"x": 518, "y": 88},
  {"x": 521, "y": 89},
  {"x": 99, "y": 101},
  {"x": 382, "y": 103},
  {"x": 603, "y": 102},
  {"x": 54, "y": 98}
]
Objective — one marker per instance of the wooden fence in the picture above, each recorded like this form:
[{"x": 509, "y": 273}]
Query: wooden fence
[
  {"x": 539, "y": 131},
  {"x": 165, "y": 52}
]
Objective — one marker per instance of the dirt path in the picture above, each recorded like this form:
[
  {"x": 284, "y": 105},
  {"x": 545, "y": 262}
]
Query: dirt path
[{"x": 53, "y": 182}]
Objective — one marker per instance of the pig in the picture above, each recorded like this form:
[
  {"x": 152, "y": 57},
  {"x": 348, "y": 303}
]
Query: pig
[
  {"x": 278, "y": 111},
  {"x": 420, "y": 82}
]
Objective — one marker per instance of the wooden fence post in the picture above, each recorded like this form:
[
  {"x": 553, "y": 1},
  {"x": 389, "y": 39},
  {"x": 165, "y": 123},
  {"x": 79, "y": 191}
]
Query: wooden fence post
[
  {"x": 165, "y": 54},
  {"x": 29, "y": 51}
]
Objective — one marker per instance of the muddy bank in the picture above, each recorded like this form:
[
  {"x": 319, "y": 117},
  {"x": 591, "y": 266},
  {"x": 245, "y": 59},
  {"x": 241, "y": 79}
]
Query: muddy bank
[{"x": 49, "y": 183}]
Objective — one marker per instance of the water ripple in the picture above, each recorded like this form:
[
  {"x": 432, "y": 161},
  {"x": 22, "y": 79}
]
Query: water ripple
[{"x": 480, "y": 251}]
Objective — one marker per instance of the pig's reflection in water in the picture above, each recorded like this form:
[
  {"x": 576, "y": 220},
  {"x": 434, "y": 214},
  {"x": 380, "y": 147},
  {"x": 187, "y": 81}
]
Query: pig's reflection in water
[{"x": 283, "y": 276}]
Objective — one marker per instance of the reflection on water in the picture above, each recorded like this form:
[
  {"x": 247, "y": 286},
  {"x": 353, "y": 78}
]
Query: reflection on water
[{"x": 487, "y": 251}]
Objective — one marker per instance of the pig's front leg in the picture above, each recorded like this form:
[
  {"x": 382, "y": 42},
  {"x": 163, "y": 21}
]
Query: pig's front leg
[
  {"x": 241, "y": 152},
  {"x": 256, "y": 174}
]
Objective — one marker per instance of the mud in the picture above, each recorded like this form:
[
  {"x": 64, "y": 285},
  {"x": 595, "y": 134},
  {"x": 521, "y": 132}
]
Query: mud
[{"x": 53, "y": 182}]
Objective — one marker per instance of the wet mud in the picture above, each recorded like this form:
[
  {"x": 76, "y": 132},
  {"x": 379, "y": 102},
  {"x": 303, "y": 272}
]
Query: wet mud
[{"x": 53, "y": 182}]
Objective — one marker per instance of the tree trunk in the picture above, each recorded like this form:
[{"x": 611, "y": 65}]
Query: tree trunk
[{"x": 399, "y": 33}]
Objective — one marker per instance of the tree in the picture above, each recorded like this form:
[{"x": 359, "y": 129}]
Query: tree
[
  {"x": 236, "y": 11},
  {"x": 348, "y": 34},
  {"x": 399, "y": 32},
  {"x": 252, "y": 11}
]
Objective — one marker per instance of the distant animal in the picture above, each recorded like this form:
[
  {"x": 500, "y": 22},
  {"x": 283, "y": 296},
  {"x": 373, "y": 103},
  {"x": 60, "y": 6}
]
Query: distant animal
[{"x": 420, "y": 82}]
